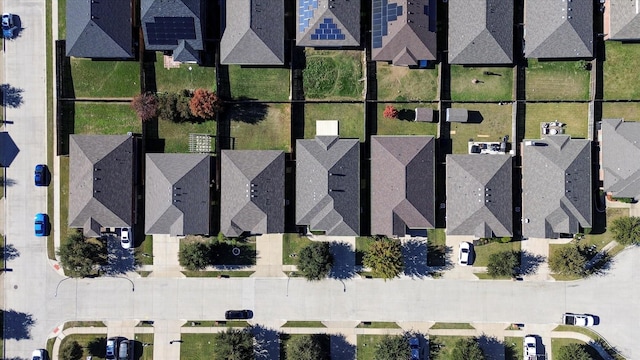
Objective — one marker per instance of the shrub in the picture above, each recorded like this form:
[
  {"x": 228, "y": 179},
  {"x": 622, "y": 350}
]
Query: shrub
[
  {"x": 568, "y": 260},
  {"x": 392, "y": 347},
  {"x": 195, "y": 255},
  {"x": 385, "y": 259},
  {"x": 307, "y": 347},
  {"x": 70, "y": 351},
  {"x": 467, "y": 349},
  {"x": 503, "y": 263},
  {"x": 233, "y": 344},
  {"x": 390, "y": 112},
  {"x": 573, "y": 351},
  {"x": 175, "y": 106},
  {"x": 315, "y": 261},
  {"x": 79, "y": 257},
  {"x": 146, "y": 106},
  {"x": 205, "y": 104},
  {"x": 626, "y": 230}
]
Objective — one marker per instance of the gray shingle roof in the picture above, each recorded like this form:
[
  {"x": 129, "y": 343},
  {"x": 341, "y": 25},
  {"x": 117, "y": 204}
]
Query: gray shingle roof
[
  {"x": 480, "y": 31},
  {"x": 177, "y": 190},
  {"x": 556, "y": 185},
  {"x": 623, "y": 19},
  {"x": 328, "y": 185},
  {"x": 408, "y": 39},
  {"x": 253, "y": 32},
  {"x": 313, "y": 15},
  {"x": 479, "y": 195},
  {"x": 100, "y": 29},
  {"x": 558, "y": 29},
  {"x": 101, "y": 178},
  {"x": 252, "y": 192},
  {"x": 402, "y": 184},
  {"x": 184, "y": 49},
  {"x": 620, "y": 153}
]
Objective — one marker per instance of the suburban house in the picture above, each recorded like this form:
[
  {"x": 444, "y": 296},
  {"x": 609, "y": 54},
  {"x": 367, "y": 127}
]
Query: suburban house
[
  {"x": 620, "y": 151},
  {"x": 252, "y": 32},
  {"x": 404, "y": 32},
  {"x": 252, "y": 192},
  {"x": 556, "y": 186},
  {"x": 402, "y": 185},
  {"x": 622, "y": 20},
  {"x": 480, "y": 31},
  {"x": 558, "y": 29},
  {"x": 479, "y": 195},
  {"x": 99, "y": 29},
  {"x": 175, "y": 26},
  {"x": 101, "y": 185},
  {"x": 328, "y": 185},
  {"x": 177, "y": 194},
  {"x": 328, "y": 23}
]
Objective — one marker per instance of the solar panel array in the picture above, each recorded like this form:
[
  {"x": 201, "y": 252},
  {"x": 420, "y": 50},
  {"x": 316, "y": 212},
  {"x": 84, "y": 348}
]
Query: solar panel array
[
  {"x": 383, "y": 12},
  {"x": 305, "y": 13},
  {"x": 168, "y": 30},
  {"x": 328, "y": 31}
]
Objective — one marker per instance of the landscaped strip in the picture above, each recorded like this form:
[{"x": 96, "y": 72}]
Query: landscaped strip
[
  {"x": 447, "y": 326},
  {"x": 218, "y": 274},
  {"x": 378, "y": 325},
  {"x": 304, "y": 324}
]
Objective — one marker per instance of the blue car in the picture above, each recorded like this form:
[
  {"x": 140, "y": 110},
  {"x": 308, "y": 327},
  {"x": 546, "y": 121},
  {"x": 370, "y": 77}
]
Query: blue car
[
  {"x": 7, "y": 25},
  {"x": 40, "y": 175},
  {"x": 414, "y": 344},
  {"x": 42, "y": 224}
]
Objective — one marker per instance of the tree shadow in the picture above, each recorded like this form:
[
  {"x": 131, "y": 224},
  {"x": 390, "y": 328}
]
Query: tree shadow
[
  {"x": 118, "y": 260},
  {"x": 10, "y": 252},
  {"x": 600, "y": 264},
  {"x": 247, "y": 112},
  {"x": 223, "y": 254},
  {"x": 414, "y": 253},
  {"x": 98, "y": 347},
  {"x": 341, "y": 348},
  {"x": 17, "y": 325},
  {"x": 492, "y": 348},
  {"x": 7, "y": 182},
  {"x": 11, "y": 96},
  {"x": 266, "y": 342},
  {"x": 343, "y": 260},
  {"x": 529, "y": 262}
]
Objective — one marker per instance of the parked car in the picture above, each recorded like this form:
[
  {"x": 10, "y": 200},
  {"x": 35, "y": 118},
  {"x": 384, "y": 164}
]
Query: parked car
[
  {"x": 41, "y": 224},
  {"x": 112, "y": 345},
  {"x": 7, "y": 25},
  {"x": 464, "y": 252},
  {"x": 123, "y": 349},
  {"x": 125, "y": 238},
  {"x": 238, "y": 314},
  {"x": 41, "y": 175},
  {"x": 530, "y": 351},
  {"x": 578, "y": 319},
  {"x": 38, "y": 354},
  {"x": 414, "y": 345}
]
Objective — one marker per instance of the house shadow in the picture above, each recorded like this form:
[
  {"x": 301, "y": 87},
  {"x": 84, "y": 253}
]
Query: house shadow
[
  {"x": 17, "y": 325},
  {"x": 414, "y": 253},
  {"x": 247, "y": 111},
  {"x": 341, "y": 349},
  {"x": 11, "y": 96},
  {"x": 343, "y": 261},
  {"x": 8, "y": 151},
  {"x": 529, "y": 262},
  {"x": 266, "y": 342}
]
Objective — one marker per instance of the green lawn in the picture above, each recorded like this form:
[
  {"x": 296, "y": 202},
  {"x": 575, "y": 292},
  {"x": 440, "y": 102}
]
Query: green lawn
[
  {"x": 399, "y": 83},
  {"x": 366, "y": 348},
  {"x": 446, "y": 346},
  {"x": 602, "y": 238},
  {"x": 362, "y": 246},
  {"x": 105, "y": 78},
  {"x": 620, "y": 81},
  {"x": 62, "y": 19},
  {"x": 557, "y": 343},
  {"x": 482, "y": 252},
  {"x": 271, "y": 132},
  {"x": 291, "y": 245},
  {"x": 574, "y": 115},
  {"x": 496, "y": 123},
  {"x": 84, "y": 340},
  {"x": 105, "y": 119},
  {"x": 626, "y": 111},
  {"x": 72, "y": 324},
  {"x": 437, "y": 236},
  {"x": 147, "y": 351},
  {"x": 196, "y": 346},
  {"x": 495, "y": 87},
  {"x": 436, "y": 247},
  {"x": 64, "y": 207},
  {"x": 267, "y": 84},
  {"x": 447, "y": 326},
  {"x": 350, "y": 117},
  {"x": 405, "y": 125},
  {"x": 333, "y": 74},
  {"x": 556, "y": 80},
  {"x": 378, "y": 325},
  {"x": 187, "y": 76},
  {"x": 304, "y": 324},
  {"x": 176, "y": 135},
  {"x": 513, "y": 348},
  {"x": 145, "y": 248},
  {"x": 215, "y": 274}
]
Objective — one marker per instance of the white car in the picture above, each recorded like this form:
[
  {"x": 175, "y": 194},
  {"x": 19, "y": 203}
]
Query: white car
[
  {"x": 463, "y": 255},
  {"x": 125, "y": 238},
  {"x": 530, "y": 352},
  {"x": 37, "y": 354}
]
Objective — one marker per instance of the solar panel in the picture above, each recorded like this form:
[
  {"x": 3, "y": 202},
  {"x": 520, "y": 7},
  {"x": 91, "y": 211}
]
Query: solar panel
[
  {"x": 327, "y": 30},
  {"x": 305, "y": 13},
  {"x": 383, "y": 12},
  {"x": 168, "y": 30}
]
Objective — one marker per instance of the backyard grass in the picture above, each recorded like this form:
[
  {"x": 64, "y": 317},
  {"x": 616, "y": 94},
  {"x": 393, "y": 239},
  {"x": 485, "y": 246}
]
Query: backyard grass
[
  {"x": 556, "y": 80},
  {"x": 266, "y": 84},
  {"x": 333, "y": 74},
  {"x": 196, "y": 346},
  {"x": 304, "y": 324},
  {"x": 399, "y": 83},
  {"x": 187, "y": 76},
  {"x": 366, "y": 348},
  {"x": 98, "y": 79},
  {"x": 574, "y": 115},
  {"x": 404, "y": 124},
  {"x": 271, "y": 131},
  {"x": 105, "y": 119},
  {"x": 513, "y": 348},
  {"x": 496, "y": 86},
  {"x": 147, "y": 351},
  {"x": 378, "y": 325},
  {"x": 447, "y": 326},
  {"x": 496, "y": 123},
  {"x": 84, "y": 340},
  {"x": 291, "y": 246},
  {"x": 557, "y": 343},
  {"x": 350, "y": 117},
  {"x": 620, "y": 82},
  {"x": 626, "y": 111},
  {"x": 145, "y": 248},
  {"x": 482, "y": 252},
  {"x": 176, "y": 135}
]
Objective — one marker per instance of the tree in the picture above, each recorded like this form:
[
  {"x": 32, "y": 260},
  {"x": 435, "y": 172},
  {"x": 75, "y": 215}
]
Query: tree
[
  {"x": 467, "y": 349},
  {"x": 79, "y": 256},
  {"x": 315, "y": 260},
  {"x": 390, "y": 112},
  {"x": 626, "y": 230},
  {"x": 568, "y": 260},
  {"x": 504, "y": 263},
  {"x": 233, "y": 344},
  {"x": 308, "y": 347},
  {"x": 194, "y": 255},
  {"x": 205, "y": 104},
  {"x": 384, "y": 257},
  {"x": 574, "y": 351},
  {"x": 70, "y": 351},
  {"x": 392, "y": 347},
  {"x": 145, "y": 105}
]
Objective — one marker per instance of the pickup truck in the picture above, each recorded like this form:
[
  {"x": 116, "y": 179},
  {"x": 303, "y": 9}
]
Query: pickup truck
[
  {"x": 530, "y": 351},
  {"x": 577, "y": 319}
]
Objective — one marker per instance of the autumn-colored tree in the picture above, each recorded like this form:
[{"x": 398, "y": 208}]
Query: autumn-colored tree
[
  {"x": 204, "y": 104},
  {"x": 390, "y": 112},
  {"x": 145, "y": 105}
]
